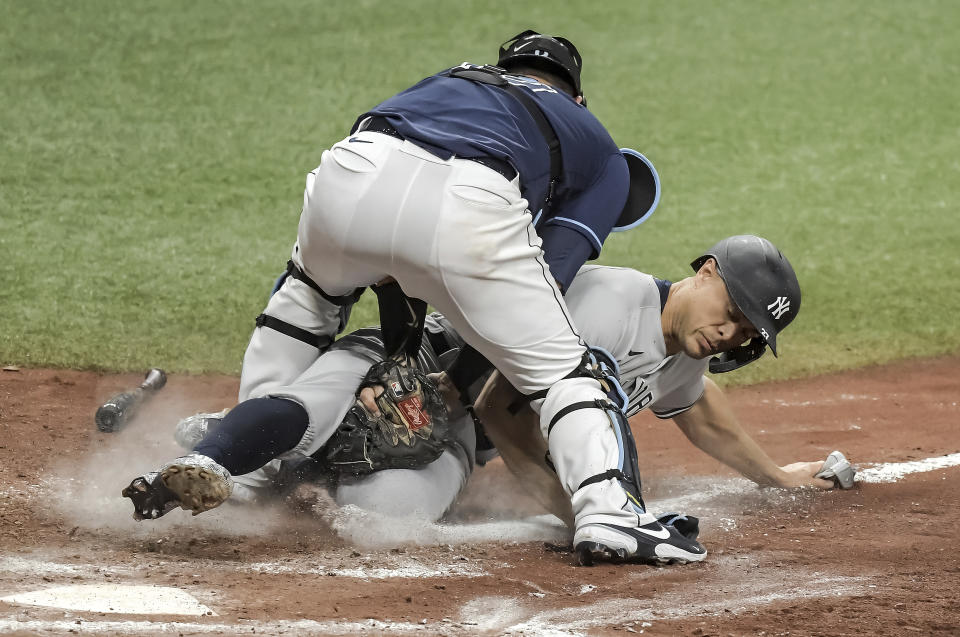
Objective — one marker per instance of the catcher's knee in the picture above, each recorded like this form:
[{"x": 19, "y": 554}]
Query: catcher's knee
[{"x": 595, "y": 379}]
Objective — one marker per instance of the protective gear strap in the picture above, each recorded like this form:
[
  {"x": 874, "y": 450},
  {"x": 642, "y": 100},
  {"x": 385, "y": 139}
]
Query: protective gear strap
[
  {"x": 584, "y": 404},
  {"x": 493, "y": 75},
  {"x": 347, "y": 299},
  {"x": 320, "y": 341},
  {"x": 600, "y": 477},
  {"x": 401, "y": 321},
  {"x": 596, "y": 363}
]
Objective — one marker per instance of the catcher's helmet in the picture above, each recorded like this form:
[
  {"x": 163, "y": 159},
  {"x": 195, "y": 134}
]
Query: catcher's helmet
[
  {"x": 551, "y": 53},
  {"x": 762, "y": 284}
]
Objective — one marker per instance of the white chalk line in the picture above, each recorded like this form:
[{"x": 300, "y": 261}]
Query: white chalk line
[
  {"x": 610, "y": 612},
  {"x": 411, "y": 570},
  {"x": 500, "y": 615},
  {"x": 29, "y": 566},
  {"x": 507, "y": 615},
  {"x": 894, "y": 471},
  {"x": 715, "y": 491},
  {"x": 280, "y": 627},
  {"x": 407, "y": 568}
]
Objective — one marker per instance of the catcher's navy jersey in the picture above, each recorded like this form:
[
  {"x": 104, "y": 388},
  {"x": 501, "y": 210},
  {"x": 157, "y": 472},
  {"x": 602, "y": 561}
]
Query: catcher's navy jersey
[{"x": 457, "y": 117}]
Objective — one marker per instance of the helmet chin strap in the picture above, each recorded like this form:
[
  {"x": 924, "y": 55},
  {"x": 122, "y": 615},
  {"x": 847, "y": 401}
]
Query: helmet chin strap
[{"x": 738, "y": 357}]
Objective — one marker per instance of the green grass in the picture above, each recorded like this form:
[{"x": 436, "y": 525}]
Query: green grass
[{"x": 152, "y": 157}]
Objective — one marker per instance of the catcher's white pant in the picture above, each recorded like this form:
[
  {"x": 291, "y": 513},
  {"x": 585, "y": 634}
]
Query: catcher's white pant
[{"x": 457, "y": 234}]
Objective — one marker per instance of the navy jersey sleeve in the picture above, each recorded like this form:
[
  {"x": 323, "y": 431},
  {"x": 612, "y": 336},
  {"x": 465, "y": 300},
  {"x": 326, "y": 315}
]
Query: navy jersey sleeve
[
  {"x": 595, "y": 210},
  {"x": 564, "y": 250}
]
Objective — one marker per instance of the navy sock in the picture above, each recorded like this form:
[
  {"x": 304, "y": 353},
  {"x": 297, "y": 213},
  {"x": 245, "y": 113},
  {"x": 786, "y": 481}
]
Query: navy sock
[{"x": 253, "y": 433}]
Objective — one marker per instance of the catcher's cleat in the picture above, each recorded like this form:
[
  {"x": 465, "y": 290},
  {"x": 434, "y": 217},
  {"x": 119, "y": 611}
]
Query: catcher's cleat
[
  {"x": 192, "y": 429},
  {"x": 687, "y": 525},
  {"x": 197, "y": 482},
  {"x": 151, "y": 499},
  {"x": 651, "y": 543}
]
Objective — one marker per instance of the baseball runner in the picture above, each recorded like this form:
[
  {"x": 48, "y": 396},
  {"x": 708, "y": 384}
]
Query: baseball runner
[
  {"x": 480, "y": 190},
  {"x": 662, "y": 337},
  {"x": 657, "y": 335}
]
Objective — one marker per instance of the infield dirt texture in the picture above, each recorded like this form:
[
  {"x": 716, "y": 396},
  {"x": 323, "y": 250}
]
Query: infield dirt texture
[
  {"x": 152, "y": 159},
  {"x": 876, "y": 560}
]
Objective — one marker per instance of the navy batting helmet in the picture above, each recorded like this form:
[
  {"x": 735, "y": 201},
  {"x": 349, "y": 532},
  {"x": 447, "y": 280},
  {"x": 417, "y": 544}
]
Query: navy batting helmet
[
  {"x": 762, "y": 284},
  {"x": 550, "y": 53}
]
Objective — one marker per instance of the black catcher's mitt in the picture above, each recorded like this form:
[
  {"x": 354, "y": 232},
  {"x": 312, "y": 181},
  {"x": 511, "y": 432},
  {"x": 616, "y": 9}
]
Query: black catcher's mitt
[{"x": 411, "y": 431}]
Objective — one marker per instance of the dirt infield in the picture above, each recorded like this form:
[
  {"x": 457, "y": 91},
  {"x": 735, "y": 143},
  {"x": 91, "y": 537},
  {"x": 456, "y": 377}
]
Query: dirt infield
[{"x": 877, "y": 560}]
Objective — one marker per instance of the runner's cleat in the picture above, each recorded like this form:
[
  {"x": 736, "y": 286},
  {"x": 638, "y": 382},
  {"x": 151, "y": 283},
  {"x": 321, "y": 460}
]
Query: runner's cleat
[
  {"x": 651, "y": 543},
  {"x": 197, "y": 482},
  {"x": 151, "y": 499},
  {"x": 192, "y": 429}
]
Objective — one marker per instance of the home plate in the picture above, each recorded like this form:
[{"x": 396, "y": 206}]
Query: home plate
[{"x": 115, "y": 598}]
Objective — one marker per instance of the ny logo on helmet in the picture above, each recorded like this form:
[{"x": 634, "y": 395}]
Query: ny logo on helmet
[{"x": 779, "y": 307}]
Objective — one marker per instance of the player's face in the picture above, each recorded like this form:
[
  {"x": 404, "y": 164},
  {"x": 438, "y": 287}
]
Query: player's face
[{"x": 714, "y": 324}]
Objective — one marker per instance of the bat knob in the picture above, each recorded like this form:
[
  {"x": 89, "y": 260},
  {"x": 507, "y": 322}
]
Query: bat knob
[
  {"x": 155, "y": 380},
  {"x": 112, "y": 416}
]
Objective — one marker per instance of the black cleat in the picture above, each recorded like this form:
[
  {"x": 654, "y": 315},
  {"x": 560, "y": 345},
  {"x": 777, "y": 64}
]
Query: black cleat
[
  {"x": 151, "y": 498},
  {"x": 197, "y": 482},
  {"x": 687, "y": 525},
  {"x": 651, "y": 543}
]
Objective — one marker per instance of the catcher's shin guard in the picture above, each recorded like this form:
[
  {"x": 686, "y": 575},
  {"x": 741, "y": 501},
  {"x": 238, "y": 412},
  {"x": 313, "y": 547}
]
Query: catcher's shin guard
[
  {"x": 595, "y": 457},
  {"x": 593, "y": 453}
]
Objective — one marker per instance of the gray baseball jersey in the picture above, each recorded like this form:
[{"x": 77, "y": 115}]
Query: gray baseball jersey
[{"x": 618, "y": 310}]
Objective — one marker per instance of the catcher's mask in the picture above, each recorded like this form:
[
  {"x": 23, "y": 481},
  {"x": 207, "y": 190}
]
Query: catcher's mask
[
  {"x": 553, "y": 54},
  {"x": 763, "y": 286}
]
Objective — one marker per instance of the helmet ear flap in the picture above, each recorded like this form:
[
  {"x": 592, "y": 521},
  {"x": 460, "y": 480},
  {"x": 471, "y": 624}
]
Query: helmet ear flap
[{"x": 738, "y": 357}]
